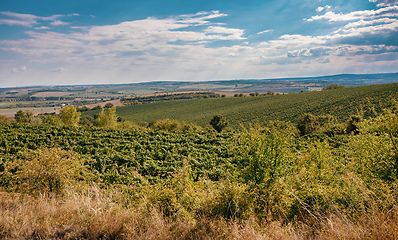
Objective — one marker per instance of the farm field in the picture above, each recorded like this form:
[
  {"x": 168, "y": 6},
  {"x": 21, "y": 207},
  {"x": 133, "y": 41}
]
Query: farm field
[
  {"x": 57, "y": 96},
  {"x": 308, "y": 165},
  {"x": 315, "y": 179},
  {"x": 300, "y": 173},
  {"x": 340, "y": 103}
]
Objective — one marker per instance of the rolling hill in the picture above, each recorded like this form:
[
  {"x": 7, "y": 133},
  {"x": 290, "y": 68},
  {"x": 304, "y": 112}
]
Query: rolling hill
[{"x": 340, "y": 103}]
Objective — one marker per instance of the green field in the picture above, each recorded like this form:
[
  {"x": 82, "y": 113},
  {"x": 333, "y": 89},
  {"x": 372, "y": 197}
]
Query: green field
[
  {"x": 305, "y": 177},
  {"x": 340, "y": 103},
  {"x": 85, "y": 182}
]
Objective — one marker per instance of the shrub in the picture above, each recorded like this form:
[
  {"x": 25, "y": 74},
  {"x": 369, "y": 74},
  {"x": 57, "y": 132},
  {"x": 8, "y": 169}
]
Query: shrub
[
  {"x": 353, "y": 124},
  {"x": 97, "y": 108},
  {"x": 44, "y": 171},
  {"x": 218, "y": 122},
  {"x": 332, "y": 87},
  {"x": 307, "y": 123},
  {"x": 52, "y": 120},
  {"x": 108, "y": 118},
  {"x": 165, "y": 124},
  {"x": 4, "y": 119},
  {"x": 108, "y": 105},
  {"x": 24, "y": 116},
  {"x": 262, "y": 162},
  {"x": 69, "y": 116}
]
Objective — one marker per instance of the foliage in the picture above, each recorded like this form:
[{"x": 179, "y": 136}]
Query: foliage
[
  {"x": 108, "y": 105},
  {"x": 97, "y": 108},
  {"x": 44, "y": 171},
  {"x": 340, "y": 103},
  {"x": 24, "y": 116},
  {"x": 269, "y": 175},
  {"x": 114, "y": 153},
  {"x": 69, "y": 116},
  {"x": 218, "y": 122},
  {"x": 52, "y": 120},
  {"x": 332, "y": 87},
  {"x": 4, "y": 119},
  {"x": 168, "y": 97},
  {"x": 262, "y": 162},
  {"x": 108, "y": 118},
  {"x": 310, "y": 124}
]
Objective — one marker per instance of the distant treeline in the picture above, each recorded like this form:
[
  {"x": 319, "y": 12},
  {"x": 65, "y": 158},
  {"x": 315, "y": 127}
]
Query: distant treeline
[
  {"x": 167, "y": 97},
  {"x": 33, "y": 98}
]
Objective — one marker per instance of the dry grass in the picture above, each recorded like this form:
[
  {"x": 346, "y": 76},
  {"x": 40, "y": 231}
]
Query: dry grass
[{"x": 92, "y": 215}]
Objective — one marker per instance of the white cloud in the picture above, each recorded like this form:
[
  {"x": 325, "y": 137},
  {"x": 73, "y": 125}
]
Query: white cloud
[
  {"x": 42, "y": 27},
  {"x": 19, "y": 69},
  {"x": 151, "y": 37},
  {"x": 228, "y": 33},
  {"x": 391, "y": 11},
  {"x": 18, "y": 19},
  {"x": 59, "y": 23},
  {"x": 15, "y": 22},
  {"x": 382, "y": 3},
  {"x": 180, "y": 48},
  {"x": 265, "y": 31},
  {"x": 361, "y": 22},
  {"x": 27, "y": 17},
  {"x": 60, "y": 70},
  {"x": 320, "y": 9},
  {"x": 28, "y": 20}
]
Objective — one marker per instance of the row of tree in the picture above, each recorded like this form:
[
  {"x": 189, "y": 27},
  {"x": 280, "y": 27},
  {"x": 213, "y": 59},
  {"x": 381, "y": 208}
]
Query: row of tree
[{"x": 69, "y": 116}]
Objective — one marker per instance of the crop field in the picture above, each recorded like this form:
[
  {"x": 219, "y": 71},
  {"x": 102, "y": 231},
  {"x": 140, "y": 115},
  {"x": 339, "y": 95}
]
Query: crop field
[
  {"x": 330, "y": 180},
  {"x": 340, "y": 103},
  {"x": 50, "y": 94},
  {"x": 309, "y": 165}
]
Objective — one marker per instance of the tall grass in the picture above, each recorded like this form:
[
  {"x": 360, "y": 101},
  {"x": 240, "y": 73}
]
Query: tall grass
[{"x": 93, "y": 214}]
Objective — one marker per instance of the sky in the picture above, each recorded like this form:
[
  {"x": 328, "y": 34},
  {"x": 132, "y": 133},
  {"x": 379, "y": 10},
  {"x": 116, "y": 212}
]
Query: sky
[{"x": 78, "y": 42}]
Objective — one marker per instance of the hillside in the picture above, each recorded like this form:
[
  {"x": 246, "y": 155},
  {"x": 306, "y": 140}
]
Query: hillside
[
  {"x": 340, "y": 103},
  {"x": 59, "y": 181}
]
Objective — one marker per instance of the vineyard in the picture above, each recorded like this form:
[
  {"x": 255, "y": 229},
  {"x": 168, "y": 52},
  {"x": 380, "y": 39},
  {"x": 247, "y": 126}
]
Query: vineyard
[
  {"x": 340, "y": 103},
  {"x": 168, "y": 97},
  {"x": 113, "y": 153},
  {"x": 317, "y": 178}
]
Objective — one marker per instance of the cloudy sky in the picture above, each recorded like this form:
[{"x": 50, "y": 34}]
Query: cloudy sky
[{"x": 47, "y": 42}]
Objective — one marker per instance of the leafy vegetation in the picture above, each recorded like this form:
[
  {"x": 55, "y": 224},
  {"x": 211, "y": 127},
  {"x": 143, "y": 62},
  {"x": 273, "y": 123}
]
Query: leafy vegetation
[
  {"x": 168, "y": 97},
  {"x": 316, "y": 176},
  {"x": 340, "y": 103}
]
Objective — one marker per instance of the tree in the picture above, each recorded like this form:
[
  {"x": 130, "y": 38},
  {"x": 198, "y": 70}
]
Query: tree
[
  {"x": 70, "y": 116},
  {"x": 332, "y": 87},
  {"x": 4, "y": 119},
  {"x": 24, "y": 116},
  {"x": 218, "y": 122},
  {"x": 108, "y": 118},
  {"x": 52, "y": 120},
  {"x": 108, "y": 105},
  {"x": 307, "y": 124}
]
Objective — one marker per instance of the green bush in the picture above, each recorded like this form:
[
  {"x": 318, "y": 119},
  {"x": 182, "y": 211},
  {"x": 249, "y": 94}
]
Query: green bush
[
  {"x": 262, "y": 162},
  {"x": 218, "y": 122},
  {"x": 44, "y": 171}
]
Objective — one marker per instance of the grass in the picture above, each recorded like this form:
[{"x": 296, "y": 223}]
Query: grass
[{"x": 91, "y": 214}]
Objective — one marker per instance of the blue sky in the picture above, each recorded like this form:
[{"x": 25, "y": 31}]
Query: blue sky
[{"x": 47, "y": 42}]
